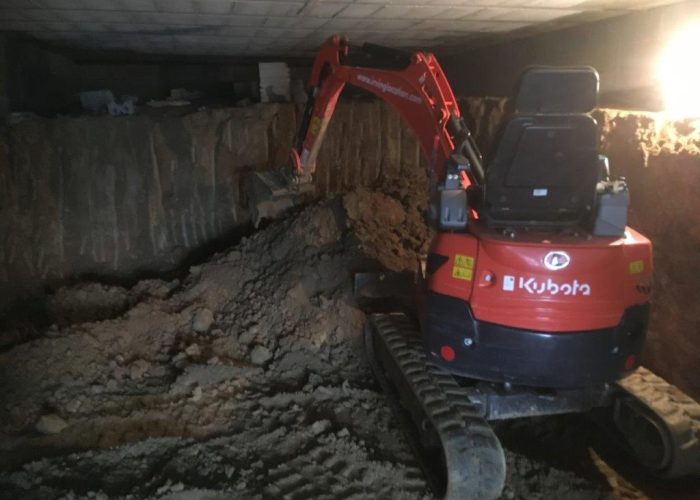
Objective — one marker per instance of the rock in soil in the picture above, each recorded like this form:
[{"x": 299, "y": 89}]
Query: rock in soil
[
  {"x": 51, "y": 424},
  {"x": 202, "y": 320}
]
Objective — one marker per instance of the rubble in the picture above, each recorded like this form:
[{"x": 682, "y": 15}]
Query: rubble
[
  {"x": 202, "y": 320},
  {"x": 260, "y": 355},
  {"x": 246, "y": 380},
  {"x": 51, "y": 424}
]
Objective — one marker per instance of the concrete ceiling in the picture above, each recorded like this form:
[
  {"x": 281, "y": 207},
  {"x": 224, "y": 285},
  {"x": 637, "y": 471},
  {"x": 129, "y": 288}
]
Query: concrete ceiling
[{"x": 289, "y": 28}]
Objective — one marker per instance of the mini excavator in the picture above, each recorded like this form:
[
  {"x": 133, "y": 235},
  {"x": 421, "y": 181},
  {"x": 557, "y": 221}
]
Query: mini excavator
[{"x": 534, "y": 297}]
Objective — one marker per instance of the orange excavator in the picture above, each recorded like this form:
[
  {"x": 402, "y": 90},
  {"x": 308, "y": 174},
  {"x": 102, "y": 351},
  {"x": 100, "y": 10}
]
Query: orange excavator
[{"x": 534, "y": 298}]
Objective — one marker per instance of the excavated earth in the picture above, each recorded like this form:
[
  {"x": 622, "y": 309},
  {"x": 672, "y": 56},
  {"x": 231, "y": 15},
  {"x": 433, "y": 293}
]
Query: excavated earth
[{"x": 245, "y": 379}]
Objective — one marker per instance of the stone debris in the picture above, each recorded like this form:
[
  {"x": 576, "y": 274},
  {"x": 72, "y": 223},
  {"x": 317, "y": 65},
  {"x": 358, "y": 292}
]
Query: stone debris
[
  {"x": 51, "y": 424},
  {"x": 202, "y": 320},
  {"x": 320, "y": 426},
  {"x": 260, "y": 355}
]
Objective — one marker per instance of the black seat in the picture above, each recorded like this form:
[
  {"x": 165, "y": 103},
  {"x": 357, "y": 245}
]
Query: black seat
[{"x": 545, "y": 166}]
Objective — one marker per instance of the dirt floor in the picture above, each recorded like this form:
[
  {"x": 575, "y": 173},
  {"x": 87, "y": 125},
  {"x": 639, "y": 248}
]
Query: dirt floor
[{"x": 247, "y": 379}]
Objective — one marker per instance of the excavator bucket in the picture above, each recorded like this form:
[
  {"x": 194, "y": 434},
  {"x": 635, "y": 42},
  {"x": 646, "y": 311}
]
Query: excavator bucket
[{"x": 272, "y": 192}]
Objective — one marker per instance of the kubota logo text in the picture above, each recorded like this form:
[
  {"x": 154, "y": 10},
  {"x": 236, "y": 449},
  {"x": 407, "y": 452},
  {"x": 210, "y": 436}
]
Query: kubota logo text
[{"x": 547, "y": 287}]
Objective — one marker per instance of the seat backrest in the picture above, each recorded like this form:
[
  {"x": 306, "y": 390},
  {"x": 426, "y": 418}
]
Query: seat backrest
[{"x": 544, "y": 170}]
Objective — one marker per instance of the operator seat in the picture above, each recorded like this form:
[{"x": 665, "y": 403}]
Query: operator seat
[{"x": 545, "y": 167}]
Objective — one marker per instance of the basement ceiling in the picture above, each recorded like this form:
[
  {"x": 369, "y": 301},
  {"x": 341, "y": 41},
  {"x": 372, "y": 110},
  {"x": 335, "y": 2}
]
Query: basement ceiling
[{"x": 289, "y": 28}]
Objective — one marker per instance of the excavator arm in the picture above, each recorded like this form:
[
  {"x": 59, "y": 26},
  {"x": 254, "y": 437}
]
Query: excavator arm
[{"x": 415, "y": 85}]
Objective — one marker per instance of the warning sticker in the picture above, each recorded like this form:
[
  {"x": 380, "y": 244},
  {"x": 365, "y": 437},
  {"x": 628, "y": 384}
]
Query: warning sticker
[
  {"x": 636, "y": 267},
  {"x": 463, "y": 268},
  {"x": 315, "y": 125}
]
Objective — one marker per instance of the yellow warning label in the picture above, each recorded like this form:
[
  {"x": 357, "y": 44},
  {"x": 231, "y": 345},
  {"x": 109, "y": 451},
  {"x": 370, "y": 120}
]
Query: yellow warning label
[
  {"x": 464, "y": 261},
  {"x": 463, "y": 268},
  {"x": 315, "y": 125},
  {"x": 636, "y": 267},
  {"x": 462, "y": 274}
]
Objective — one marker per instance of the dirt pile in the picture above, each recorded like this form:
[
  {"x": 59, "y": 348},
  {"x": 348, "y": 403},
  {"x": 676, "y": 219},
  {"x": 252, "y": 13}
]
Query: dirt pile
[{"x": 247, "y": 379}]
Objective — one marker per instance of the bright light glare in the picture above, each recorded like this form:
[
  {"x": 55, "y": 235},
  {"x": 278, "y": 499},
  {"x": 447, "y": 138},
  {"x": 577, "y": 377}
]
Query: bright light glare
[{"x": 679, "y": 73}]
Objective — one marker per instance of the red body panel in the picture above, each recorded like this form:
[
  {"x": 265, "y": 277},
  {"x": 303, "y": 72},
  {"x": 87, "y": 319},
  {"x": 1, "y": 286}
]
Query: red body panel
[{"x": 511, "y": 286}]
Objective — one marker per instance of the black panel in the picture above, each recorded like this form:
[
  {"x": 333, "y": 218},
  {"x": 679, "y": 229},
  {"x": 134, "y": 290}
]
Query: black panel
[
  {"x": 434, "y": 261},
  {"x": 557, "y": 90},
  {"x": 504, "y": 354},
  {"x": 544, "y": 171},
  {"x": 547, "y": 157},
  {"x": 370, "y": 55}
]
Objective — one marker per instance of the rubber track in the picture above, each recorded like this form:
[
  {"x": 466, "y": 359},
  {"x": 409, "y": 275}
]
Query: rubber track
[
  {"x": 680, "y": 415},
  {"x": 474, "y": 458}
]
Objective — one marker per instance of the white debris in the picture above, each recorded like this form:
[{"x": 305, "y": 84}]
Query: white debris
[{"x": 50, "y": 424}]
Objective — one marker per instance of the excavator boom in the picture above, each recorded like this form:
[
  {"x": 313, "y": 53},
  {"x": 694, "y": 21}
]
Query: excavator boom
[{"x": 414, "y": 85}]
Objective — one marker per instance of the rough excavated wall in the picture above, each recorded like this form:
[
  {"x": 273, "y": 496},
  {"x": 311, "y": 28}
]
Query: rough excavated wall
[
  {"x": 116, "y": 197},
  {"x": 365, "y": 142}
]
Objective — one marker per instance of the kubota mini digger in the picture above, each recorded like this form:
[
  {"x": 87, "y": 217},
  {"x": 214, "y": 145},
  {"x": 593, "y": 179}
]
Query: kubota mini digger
[{"x": 534, "y": 298}]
